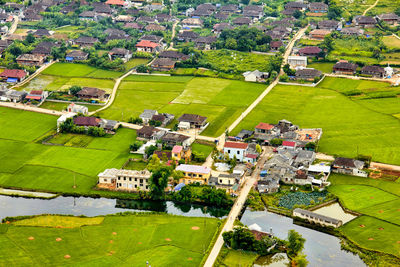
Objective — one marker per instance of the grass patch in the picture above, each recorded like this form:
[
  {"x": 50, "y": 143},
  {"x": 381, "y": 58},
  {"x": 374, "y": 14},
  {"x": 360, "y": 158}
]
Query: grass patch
[
  {"x": 60, "y": 106},
  {"x": 374, "y": 235},
  {"x": 69, "y": 70},
  {"x": 135, "y": 62},
  {"x": 59, "y": 221},
  {"x": 391, "y": 42},
  {"x": 324, "y": 67},
  {"x": 202, "y": 149},
  {"x": 237, "y": 258},
  {"x": 118, "y": 240},
  {"x": 136, "y": 165}
]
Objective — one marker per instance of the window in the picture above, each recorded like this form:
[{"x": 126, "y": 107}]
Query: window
[
  {"x": 238, "y": 152},
  {"x": 124, "y": 178},
  {"x": 229, "y": 151},
  {"x": 200, "y": 175},
  {"x": 147, "y": 187},
  {"x": 135, "y": 185},
  {"x": 141, "y": 181},
  {"x": 135, "y": 179},
  {"x": 119, "y": 178},
  {"x": 220, "y": 181},
  {"x": 130, "y": 179}
]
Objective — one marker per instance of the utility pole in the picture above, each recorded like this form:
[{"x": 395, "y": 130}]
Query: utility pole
[{"x": 74, "y": 181}]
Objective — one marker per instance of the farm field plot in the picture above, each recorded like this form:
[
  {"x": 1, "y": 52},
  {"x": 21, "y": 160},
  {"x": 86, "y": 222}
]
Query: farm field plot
[
  {"x": 384, "y": 105},
  {"x": 135, "y": 62},
  {"x": 347, "y": 126},
  {"x": 391, "y": 42},
  {"x": 30, "y": 165},
  {"x": 384, "y": 6},
  {"x": 388, "y": 211},
  {"x": 221, "y": 101},
  {"x": 374, "y": 234},
  {"x": 128, "y": 240},
  {"x": 238, "y": 258},
  {"x": 325, "y": 67}
]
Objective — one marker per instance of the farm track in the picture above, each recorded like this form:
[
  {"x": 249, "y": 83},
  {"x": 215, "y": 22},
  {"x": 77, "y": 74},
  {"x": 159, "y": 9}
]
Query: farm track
[{"x": 371, "y": 7}]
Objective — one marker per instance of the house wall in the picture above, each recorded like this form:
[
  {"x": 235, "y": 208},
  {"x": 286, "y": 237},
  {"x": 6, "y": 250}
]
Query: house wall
[
  {"x": 232, "y": 152},
  {"x": 133, "y": 183},
  {"x": 316, "y": 220},
  {"x": 191, "y": 177}
]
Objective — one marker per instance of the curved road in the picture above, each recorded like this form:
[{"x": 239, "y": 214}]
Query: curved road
[{"x": 371, "y": 7}]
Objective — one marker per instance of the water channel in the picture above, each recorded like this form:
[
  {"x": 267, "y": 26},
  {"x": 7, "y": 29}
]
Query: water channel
[{"x": 321, "y": 249}]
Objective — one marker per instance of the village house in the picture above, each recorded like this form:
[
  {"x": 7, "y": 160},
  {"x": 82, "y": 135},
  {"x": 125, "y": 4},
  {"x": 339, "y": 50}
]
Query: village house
[
  {"x": 345, "y": 67},
  {"x": 253, "y": 11},
  {"x": 296, "y": 5},
  {"x": 87, "y": 121},
  {"x": 268, "y": 186},
  {"x": 87, "y": 15},
  {"x": 200, "y": 12},
  {"x": 146, "y": 19},
  {"x": 44, "y": 48},
  {"x": 289, "y": 145},
  {"x": 174, "y": 55},
  {"x": 236, "y": 150},
  {"x": 352, "y": 31},
  {"x": 37, "y": 95},
  {"x": 123, "y": 19},
  {"x": 264, "y": 128},
  {"x": 148, "y": 46},
  {"x": 76, "y": 55},
  {"x": 275, "y": 45},
  {"x": 119, "y": 3},
  {"x": 134, "y": 25},
  {"x": 147, "y": 115},
  {"x": 163, "y": 118},
  {"x": 349, "y": 166},
  {"x": 364, "y": 21},
  {"x": 317, "y": 218},
  {"x": 85, "y": 41},
  {"x": 154, "y": 27},
  {"x": 174, "y": 139},
  {"x": 163, "y": 64},
  {"x": 152, "y": 38},
  {"x": 162, "y": 17},
  {"x": 89, "y": 93},
  {"x": 121, "y": 53},
  {"x": 227, "y": 182},
  {"x": 79, "y": 109},
  {"x": 127, "y": 180},
  {"x": 244, "y": 134},
  {"x": 205, "y": 42},
  {"x": 187, "y": 121},
  {"x": 187, "y": 36},
  {"x": 149, "y": 133},
  {"x": 310, "y": 51},
  {"x": 297, "y": 61},
  {"x": 331, "y": 25},
  {"x": 192, "y": 23},
  {"x": 318, "y": 7},
  {"x": 194, "y": 174},
  {"x": 255, "y": 76},
  {"x": 13, "y": 75},
  {"x": 319, "y": 34},
  {"x": 389, "y": 18},
  {"x": 219, "y": 27},
  {"x": 307, "y": 74},
  {"x": 374, "y": 71},
  {"x": 230, "y": 9},
  {"x": 179, "y": 152},
  {"x": 39, "y": 33},
  {"x": 30, "y": 60},
  {"x": 242, "y": 21}
]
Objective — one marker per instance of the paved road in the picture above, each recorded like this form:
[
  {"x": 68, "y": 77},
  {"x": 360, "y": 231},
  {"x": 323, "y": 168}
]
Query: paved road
[
  {"x": 13, "y": 28},
  {"x": 371, "y": 7},
  {"x": 235, "y": 211},
  {"x": 113, "y": 94},
  {"x": 392, "y": 80}
]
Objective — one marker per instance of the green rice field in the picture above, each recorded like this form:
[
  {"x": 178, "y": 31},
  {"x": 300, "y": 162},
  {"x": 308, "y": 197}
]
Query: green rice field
[
  {"x": 220, "y": 100},
  {"x": 28, "y": 164},
  {"x": 115, "y": 240}
]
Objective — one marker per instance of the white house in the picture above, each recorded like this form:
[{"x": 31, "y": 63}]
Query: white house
[
  {"x": 289, "y": 145},
  {"x": 77, "y": 109},
  {"x": 297, "y": 61},
  {"x": 254, "y": 76},
  {"x": 130, "y": 180},
  {"x": 63, "y": 118},
  {"x": 236, "y": 149}
]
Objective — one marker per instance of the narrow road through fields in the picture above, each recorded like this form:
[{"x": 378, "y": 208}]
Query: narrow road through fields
[
  {"x": 36, "y": 73},
  {"x": 171, "y": 45},
  {"x": 272, "y": 85},
  {"x": 371, "y": 7},
  {"x": 113, "y": 94},
  {"x": 237, "y": 207}
]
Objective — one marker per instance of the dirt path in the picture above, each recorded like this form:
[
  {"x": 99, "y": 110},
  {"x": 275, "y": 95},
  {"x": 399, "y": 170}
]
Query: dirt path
[
  {"x": 237, "y": 207},
  {"x": 171, "y": 45},
  {"x": 13, "y": 27},
  {"x": 31, "y": 108},
  {"x": 113, "y": 94},
  {"x": 371, "y": 7},
  {"x": 384, "y": 166}
]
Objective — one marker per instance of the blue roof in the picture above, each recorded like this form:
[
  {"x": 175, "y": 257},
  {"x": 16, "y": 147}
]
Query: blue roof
[
  {"x": 179, "y": 186},
  {"x": 69, "y": 58},
  {"x": 12, "y": 80}
]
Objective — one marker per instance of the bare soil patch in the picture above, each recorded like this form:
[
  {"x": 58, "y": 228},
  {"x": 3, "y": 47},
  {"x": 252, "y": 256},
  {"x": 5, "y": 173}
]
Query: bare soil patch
[{"x": 195, "y": 228}]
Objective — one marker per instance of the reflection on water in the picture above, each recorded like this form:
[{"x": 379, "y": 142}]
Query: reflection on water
[
  {"x": 335, "y": 211},
  {"x": 18, "y": 206},
  {"x": 321, "y": 249},
  {"x": 277, "y": 260}
]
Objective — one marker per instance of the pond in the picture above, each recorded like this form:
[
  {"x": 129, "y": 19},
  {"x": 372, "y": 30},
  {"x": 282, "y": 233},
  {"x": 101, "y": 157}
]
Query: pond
[
  {"x": 321, "y": 249},
  {"x": 18, "y": 206}
]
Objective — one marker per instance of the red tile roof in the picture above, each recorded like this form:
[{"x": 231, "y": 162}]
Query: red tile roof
[
  {"x": 289, "y": 143},
  {"x": 265, "y": 126},
  {"x": 251, "y": 156},
  {"x": 86, "y": 121},
  {"x": 36, "y": 92},
  {"x": 238, "y": 145},
  {"x": 33, "y": 97},
  {"x": 7, "y": 73},
  {"x": 116, "y": 2},
  {"x": 146, "y": 43}
]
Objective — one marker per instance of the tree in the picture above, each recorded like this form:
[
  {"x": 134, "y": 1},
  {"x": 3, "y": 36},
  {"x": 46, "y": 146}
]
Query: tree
[
  {"x": 311, "y": 146},
  {"x": 159, "y": 181},
  {"x": 297, "y": 14},
  {"x": 142, "y": 68},
  {"x": 30, "y": 38},
  {"x": 73, "y": 90},
  {"x": 288, "y": 70},
  {"x": 295, "y": 243},
  {"x": 334, "y": 12},
  {"x": 258, "y": 148},
  {"x": 154, "y": 163},
  {"x": 300, "y": 260},
  {"x": 327, "y": 44},
  {"x": 231, "y": 43},
  {"x": 150, "y": 150},
  {"x": 397, "y": 11},
  {"x": 136, "y": 145}
]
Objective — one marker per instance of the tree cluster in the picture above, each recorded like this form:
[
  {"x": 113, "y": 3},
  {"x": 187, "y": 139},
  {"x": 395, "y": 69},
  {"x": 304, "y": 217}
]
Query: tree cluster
[
  {"x": 69, "y": 127},
  {"x": 243, "y": 238},
  {"x": 244, "y": 39}
]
